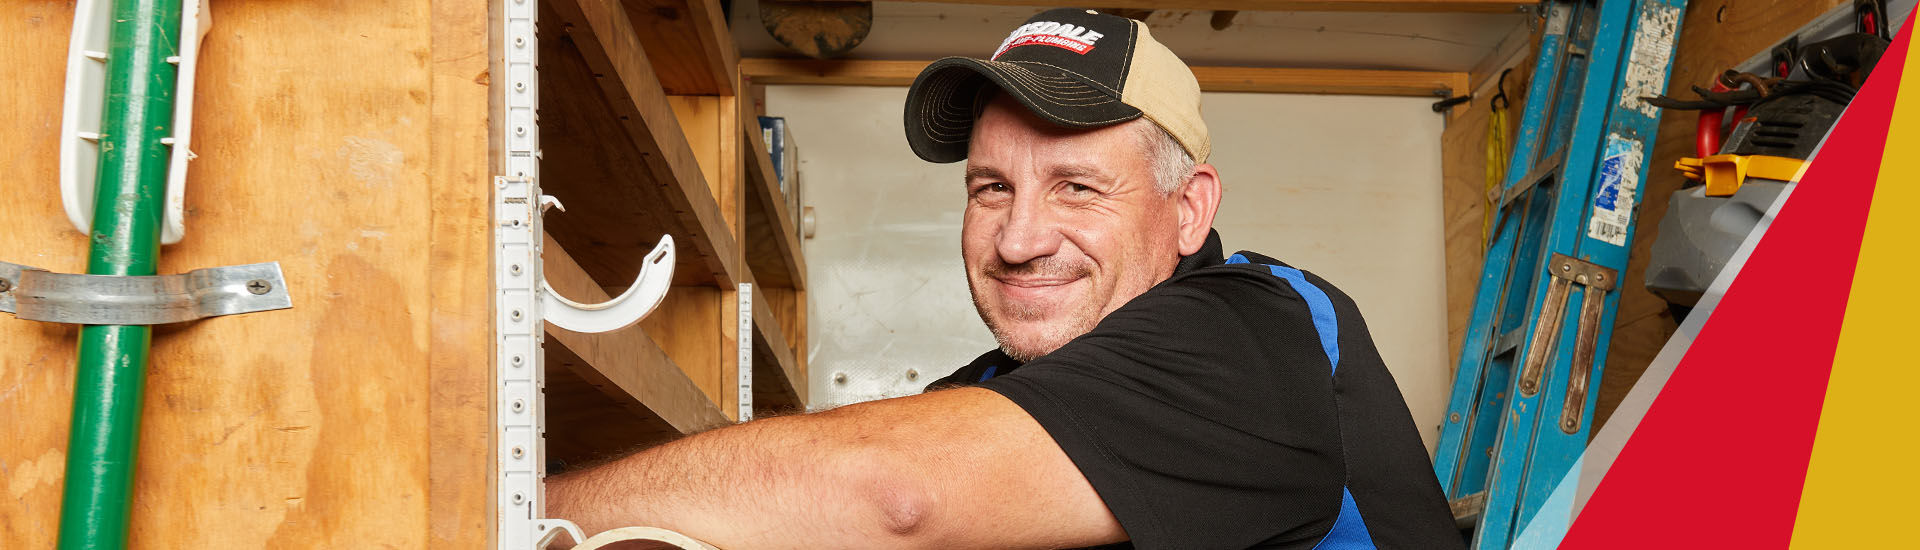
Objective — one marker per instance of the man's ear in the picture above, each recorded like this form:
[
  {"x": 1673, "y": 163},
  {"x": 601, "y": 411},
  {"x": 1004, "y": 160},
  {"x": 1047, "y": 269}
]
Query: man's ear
[{"x": 1198, "y": 202}]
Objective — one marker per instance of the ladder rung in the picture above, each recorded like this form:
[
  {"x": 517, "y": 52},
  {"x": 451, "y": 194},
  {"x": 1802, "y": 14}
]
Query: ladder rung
[
  {"x": 1508, "y": 341},
  {"x": 1467, "y": 509}
]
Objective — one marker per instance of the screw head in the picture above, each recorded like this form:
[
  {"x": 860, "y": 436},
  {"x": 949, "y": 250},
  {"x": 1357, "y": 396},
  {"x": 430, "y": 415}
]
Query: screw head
[
  {"x": 518, "y": 452},
  {"x": 1455, "y": 417},
  {"x": 5, "y": 285},
  {"x": 259, "y": 287},
  {"x": 519, "y": 405},
  {"x": 516, "y": 315},
  {"x": 514, "y": 269},
  {"x": 839, "y": 378},
  {"x": 519, "y": 498},
  {"x": 518, "y": 360},
  {"x": 913, "y": 374}
]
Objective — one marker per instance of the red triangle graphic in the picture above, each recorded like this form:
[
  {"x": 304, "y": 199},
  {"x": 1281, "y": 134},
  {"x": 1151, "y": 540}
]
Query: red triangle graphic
[{"x": 1721, "y": 455}]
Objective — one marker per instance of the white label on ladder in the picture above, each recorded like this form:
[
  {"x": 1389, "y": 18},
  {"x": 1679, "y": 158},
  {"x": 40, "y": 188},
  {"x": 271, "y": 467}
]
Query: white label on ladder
[
  {"x": 1652, "y": 49},
  {"x": 1619, "y": 180}
]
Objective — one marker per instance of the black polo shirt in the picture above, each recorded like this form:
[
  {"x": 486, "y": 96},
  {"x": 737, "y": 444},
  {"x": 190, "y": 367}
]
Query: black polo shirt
[{"x": 1238, "y": 404}]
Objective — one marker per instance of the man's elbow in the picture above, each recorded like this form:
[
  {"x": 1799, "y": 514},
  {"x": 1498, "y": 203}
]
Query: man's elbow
[{"x": 892, "y": 502}]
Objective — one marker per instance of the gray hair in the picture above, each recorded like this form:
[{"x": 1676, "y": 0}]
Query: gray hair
[{"x": 1171, "y": 164}]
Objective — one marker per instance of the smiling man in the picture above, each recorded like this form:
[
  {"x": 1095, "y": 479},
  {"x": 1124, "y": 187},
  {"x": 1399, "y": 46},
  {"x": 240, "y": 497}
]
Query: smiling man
[{"x": 1148, "y": 391}]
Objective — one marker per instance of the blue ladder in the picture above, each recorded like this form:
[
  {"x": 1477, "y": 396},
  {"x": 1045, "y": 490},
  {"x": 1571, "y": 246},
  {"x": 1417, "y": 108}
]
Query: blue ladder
[{"x": 1522, "y": 402}]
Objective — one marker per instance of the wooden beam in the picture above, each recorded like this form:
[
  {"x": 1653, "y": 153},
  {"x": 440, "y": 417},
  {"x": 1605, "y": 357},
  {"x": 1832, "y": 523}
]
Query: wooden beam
[
  {"x": 765, "y": 71},
  {"x": 626, "y": 364},
  {"x": 773, "y": 249},
  {"x": 1424, "y": 6},
  {"x": 611, "y": 56},
  {"x": 688, "y": 42}
]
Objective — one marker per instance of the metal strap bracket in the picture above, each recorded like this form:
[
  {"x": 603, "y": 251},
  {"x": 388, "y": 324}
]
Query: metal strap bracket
[
  {"x": 38, "y": 295},
  {"x": 1567, "y": 271}
]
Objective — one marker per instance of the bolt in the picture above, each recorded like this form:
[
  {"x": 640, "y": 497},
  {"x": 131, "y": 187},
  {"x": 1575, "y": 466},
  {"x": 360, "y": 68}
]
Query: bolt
[
  {"x": 519, "y": 405},
  {"x": 517, "y": 360},
  {"x": 516, "y": 315},
  {"x": 1599, "y": 277},
  {"x": 519, "y": 498},
  {"x": 1455, "y": 417},
  {"x": 1566, "y": 267},
  {"x": 517, "y": 452},
  {"x": 519, "y": 41},
  {"x": 519, "y": 86},
  {"x": 913, "y": 374},
  {"x": 839, "y": 378},
  {"x": 259, "y": 286},
  {"x": 5, "y": 285}
]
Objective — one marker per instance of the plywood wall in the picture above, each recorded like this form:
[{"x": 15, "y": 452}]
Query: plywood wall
[{"x": 347, "y": 141}]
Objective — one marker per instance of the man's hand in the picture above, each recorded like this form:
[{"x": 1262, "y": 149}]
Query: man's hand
[{"x": 962, "y": 468}]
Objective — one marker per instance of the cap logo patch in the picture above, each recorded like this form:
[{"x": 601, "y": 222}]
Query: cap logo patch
[{"x": 1074, "y": 38}]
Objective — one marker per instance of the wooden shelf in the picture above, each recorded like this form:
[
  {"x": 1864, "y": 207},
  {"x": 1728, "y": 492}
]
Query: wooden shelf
[
  {"x": 688, "y": 42},
  {"x": 624, "y": 365},
  {"x": 1386, "y": 82},
  {"x": 779, "y": 381},
  {"x": 619, "y": 159},
  {"x": 772, "y": 247}
]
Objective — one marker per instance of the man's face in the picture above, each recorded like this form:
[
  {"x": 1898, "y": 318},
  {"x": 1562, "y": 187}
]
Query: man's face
[{"x": 1062, "y": 226}]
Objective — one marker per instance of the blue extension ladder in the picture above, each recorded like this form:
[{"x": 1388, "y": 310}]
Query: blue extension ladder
[{"x": 1523, "y": 396}]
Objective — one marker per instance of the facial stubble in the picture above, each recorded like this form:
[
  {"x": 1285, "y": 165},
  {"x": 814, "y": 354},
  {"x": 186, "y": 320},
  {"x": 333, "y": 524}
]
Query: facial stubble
[{"x": 1073, "y": 318}]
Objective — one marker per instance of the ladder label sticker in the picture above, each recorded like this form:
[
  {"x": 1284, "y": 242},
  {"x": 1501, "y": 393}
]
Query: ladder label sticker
[
  {"x": 1619, "y": 179},
  {"x": 1652, "y": 53}
]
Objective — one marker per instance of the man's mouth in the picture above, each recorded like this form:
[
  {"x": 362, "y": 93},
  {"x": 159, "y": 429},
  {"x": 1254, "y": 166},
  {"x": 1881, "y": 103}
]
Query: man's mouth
[{"x": 1027, "y": 288}]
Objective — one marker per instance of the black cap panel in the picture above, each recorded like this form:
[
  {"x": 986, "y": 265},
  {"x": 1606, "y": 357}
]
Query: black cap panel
[
  {"x": 942, "y": 102},
  {"x": 1069, "y": 66}
]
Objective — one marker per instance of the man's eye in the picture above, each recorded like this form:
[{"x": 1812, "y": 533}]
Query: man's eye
[{"x": 992, "y": 188}]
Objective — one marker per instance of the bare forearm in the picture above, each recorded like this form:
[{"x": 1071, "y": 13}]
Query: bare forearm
[{"x": 782, "y": 482}]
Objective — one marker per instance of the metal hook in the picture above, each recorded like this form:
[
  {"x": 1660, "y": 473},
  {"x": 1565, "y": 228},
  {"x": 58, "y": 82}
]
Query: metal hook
[
  {"x": 1500, "y": 101},
  {"x": 656, "y": 274}
]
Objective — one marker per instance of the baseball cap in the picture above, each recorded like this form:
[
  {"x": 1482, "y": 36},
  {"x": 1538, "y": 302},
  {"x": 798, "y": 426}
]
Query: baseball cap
[{"x": 1077, "y": 68}]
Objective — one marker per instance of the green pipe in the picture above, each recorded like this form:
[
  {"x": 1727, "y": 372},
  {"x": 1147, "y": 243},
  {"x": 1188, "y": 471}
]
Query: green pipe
[{"x": 129, "y": 193}]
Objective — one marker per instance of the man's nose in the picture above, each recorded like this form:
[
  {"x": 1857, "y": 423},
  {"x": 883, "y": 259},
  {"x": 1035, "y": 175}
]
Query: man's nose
[{"x": 1031, "y": 232}]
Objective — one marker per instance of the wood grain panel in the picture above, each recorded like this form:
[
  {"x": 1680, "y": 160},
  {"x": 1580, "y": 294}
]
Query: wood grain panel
[
  {"x": 460, "y": 369},
  {"x": 36, "y": 359},
  {"x": 315, "y": 426},
  {"x": 1715, "y": 35},
  {"x": 688, "y": 44}
]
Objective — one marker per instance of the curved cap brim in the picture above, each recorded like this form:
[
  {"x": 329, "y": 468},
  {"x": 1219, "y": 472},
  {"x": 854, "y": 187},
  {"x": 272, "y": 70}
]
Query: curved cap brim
[{"x": 943, "y": 101}]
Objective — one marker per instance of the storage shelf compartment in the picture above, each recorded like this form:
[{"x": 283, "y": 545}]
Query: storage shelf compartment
[
  {"x": 773, "y": 247},
  {"x": 612, "y": 391},
  {"x": 615, "y": 154},
  {"x": 779, "y": 378}
]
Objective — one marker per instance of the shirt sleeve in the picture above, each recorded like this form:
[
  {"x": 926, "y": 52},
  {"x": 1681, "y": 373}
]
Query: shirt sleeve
[{"x": 1202, "y": 412}]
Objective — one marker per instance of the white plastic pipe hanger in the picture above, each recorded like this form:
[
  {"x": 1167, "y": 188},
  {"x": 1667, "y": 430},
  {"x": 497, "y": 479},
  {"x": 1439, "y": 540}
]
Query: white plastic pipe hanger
[
  {"x": 85, "y": 97},
  {"x": 649, "y": 288}
]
